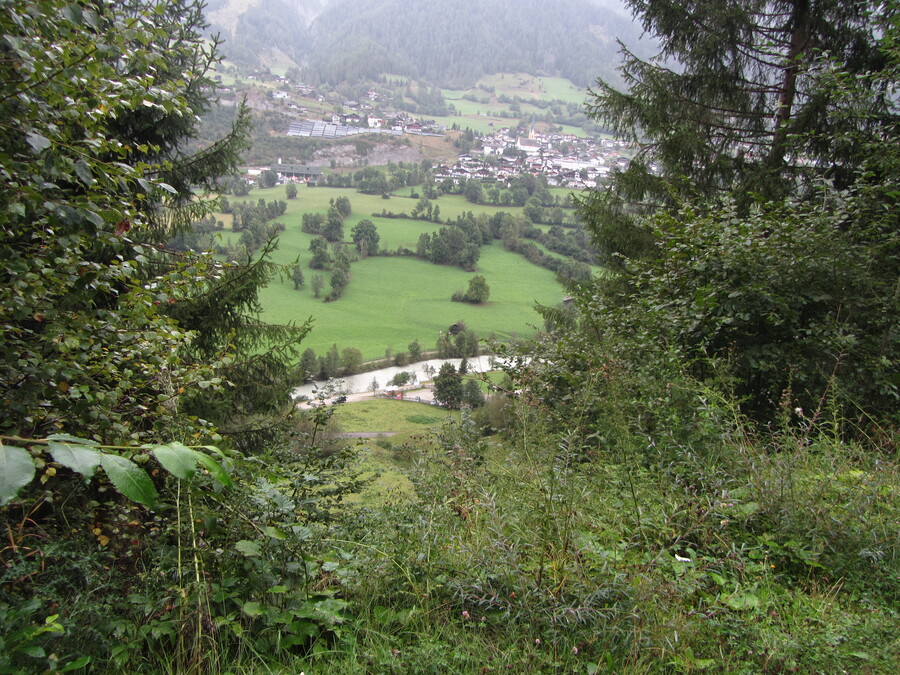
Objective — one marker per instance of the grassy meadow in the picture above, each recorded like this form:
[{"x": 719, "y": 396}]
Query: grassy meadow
[
  {"x": 528, "y": 87},
  {"x": 388, "y": 457},
  {"x": 393, "y": 300},
  {"x": 486, "y": 114}
]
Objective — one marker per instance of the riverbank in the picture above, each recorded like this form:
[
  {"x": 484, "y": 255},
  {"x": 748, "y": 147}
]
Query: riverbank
[{"x": 377, "y": 380}]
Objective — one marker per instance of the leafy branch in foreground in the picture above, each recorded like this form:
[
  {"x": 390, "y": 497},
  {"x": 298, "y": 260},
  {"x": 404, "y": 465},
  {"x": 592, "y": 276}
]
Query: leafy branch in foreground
[{"x": 19, "y": 465}]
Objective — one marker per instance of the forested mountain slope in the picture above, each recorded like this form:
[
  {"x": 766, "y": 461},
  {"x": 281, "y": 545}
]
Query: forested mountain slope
[{"x": 447, "y": 43}]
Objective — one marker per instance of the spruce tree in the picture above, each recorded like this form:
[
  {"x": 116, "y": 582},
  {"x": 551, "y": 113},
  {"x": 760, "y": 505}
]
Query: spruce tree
[
  {"x": 730, "y": 103},
  {"x": 755, "y": 234}
]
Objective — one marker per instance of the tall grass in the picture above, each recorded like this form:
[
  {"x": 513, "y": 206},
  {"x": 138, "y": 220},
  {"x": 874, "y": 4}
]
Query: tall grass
[{"x": 773, "y": 552}]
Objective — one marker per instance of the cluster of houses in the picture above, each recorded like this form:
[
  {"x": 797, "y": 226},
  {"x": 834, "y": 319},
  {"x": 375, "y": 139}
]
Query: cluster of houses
[
  {"x": 395, "y": 121},
  {"x": 566, "y": 160}
]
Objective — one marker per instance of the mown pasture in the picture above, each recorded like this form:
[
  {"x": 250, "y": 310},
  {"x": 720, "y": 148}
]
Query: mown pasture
[{"x": 392, "y": 300}]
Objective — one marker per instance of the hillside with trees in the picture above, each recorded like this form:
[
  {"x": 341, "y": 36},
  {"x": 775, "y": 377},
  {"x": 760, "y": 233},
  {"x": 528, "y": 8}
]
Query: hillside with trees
[
  {"x": 692, "y": 466},
  {"x": 451, "y": 44}
]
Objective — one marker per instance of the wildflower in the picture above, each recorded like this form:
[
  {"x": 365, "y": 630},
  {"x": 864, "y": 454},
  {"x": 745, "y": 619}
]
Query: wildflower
[
  {"x": 537, "y": 641},
  {"x": 575, "y": 650},
  {"x": 465, "y": 615}
]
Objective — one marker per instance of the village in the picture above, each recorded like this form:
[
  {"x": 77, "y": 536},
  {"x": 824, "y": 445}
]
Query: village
[{"x": 565, "y": 160}]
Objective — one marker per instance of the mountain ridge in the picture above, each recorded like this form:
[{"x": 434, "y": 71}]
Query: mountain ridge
[{"x": 338, "y": 41}]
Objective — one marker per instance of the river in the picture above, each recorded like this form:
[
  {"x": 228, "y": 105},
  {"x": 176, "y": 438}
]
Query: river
[{"x": 423, "y": 370}]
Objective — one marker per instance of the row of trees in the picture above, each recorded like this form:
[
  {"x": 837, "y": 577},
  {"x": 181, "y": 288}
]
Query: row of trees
[
  {"x": 349, "y": 361},
  {"x": 339, "y": 265},
  {"x": 450, "y": 246},
  {"x": 332, "y": 364},
  {"x": 376, "y": 181},
  {"x": 523, "y": 190}
]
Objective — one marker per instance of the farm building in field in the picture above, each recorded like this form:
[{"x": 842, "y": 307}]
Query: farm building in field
[{"x": 309, "y": 174}]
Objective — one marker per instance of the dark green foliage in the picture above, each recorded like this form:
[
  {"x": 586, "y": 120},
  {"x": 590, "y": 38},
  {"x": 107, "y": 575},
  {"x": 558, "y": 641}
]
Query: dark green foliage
[
  {"x": 628, "y": 519},
  {"x": 401, "y": 379},
  {"x": 415, "y": 351},
  {"x": 745, "y": 113},
  {"x": 351, "y": 360},
  {"x": 319, "y": 248},
  {"x": 425, "y": 210},
  {"x": 93, "y": 194},
  {"x": 461, "y": 344},
  {"x": 459, "y": 244},
  {"x": 317, "y": 284},
  {"x": 342, "y": 204},
  {"x": 478, "y": 291},
  {"x": 113, "y": 336},
  {"x": 311, "y": 223},
  {"x": 330, "y": 364},
  {"x": 787, "y": 296},
  {"x": 297, "y": 277},
  {"x": 365, "y": 236},
  {"x": 448, "y": 386},
  {"x": 752, "y": 257},
  {"x": 371, "y": 181},
  {"x": 309, "y": 364},
  {"x": 333, "y": 227},
  {"x": 223, "y": 314},
  {"x": 472, "y": 395},
  {"x": 268, "y": 178},
  {"x": 338, "y": 281},
  {"x": 473, "y": 191}
]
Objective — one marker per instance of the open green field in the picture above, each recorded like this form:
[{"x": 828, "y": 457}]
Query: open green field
[
  {"x": 386, "y": 415},
  {"x": 393, "y": 300},
  {"x": 390, "y": 457},
  {"x": 481, "y": 124},
  {"x": 487, "y": 108},
  {"x": 524, "y": 86},
  {"x": 561, "y": 89}
]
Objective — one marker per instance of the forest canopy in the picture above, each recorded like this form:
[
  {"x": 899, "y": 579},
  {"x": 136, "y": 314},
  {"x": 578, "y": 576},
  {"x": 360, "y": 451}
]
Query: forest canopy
[{"x": 444, "y": 43}]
